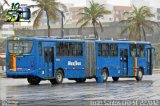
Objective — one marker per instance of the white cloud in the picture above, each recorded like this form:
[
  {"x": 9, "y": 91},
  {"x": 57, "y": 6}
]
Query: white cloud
[{"x": 119, "y": 2}]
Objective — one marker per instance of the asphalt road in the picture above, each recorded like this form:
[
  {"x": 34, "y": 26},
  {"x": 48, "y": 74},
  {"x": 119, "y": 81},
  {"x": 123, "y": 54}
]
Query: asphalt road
[{"x": 17, "y": 92}]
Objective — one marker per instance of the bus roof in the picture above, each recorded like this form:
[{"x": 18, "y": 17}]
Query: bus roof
[{"x": 81, "y": 40}]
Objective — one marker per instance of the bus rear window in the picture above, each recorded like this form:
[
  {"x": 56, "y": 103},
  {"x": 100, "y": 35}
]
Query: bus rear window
[{"x": 20, "y": 47}]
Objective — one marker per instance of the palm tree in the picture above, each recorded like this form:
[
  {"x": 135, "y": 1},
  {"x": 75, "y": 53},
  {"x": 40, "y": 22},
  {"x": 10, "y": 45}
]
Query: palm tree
[
  {"x": 137, "y": 22},
  {"x": 93, "y": 14},
  {"x": 62, "y": 23},
  {"x": 50, "y": 7}
]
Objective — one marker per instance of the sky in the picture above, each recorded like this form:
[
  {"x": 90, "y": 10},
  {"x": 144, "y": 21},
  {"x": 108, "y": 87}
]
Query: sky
[
  {"x": 76, "y": 2},
  {"x": 119, "y": 2},
  {"x": 83, "y": 2}
]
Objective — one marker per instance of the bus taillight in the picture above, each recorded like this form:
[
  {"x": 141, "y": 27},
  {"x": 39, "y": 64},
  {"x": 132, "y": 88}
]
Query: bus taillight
[{"x": 13, "y": 62}]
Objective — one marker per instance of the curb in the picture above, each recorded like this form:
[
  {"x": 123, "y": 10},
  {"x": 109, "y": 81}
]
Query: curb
[{"x": 2, "y": 75}]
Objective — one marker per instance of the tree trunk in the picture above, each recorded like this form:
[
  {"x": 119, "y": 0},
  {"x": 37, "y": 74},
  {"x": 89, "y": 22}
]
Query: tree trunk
[
  {"x": 48, "y": 24},
  {"x": 95, "y": 30},
  {"x": 138, "y": 34},
  {"x": 144, "y": 33},
  {"x": 62, "y": 27}
]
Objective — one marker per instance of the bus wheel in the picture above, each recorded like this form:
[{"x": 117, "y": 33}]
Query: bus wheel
[
  {"x": 53, "y": 81},
  {"x": 139, "y": 75},
  {"x": 105, "y": 75},
  {"x": 80, "y": 80},
  {"x": 33, "y": 80},
  {"x": 115, "y": 78},
  {"x": 59, "y": 77}
]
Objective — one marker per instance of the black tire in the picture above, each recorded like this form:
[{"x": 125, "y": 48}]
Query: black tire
[
  {"x": 59, "y": 77},
  {"x": 105, "y": 75},
  {"x": 139, "y": 75},
  {"x": 33, "y": 80},
  {"x": 80, "y": 80},
  {"x": 115, "y": 78},
  {"x": 71, "y": 78},
  {"x": 53, "y": 81}
]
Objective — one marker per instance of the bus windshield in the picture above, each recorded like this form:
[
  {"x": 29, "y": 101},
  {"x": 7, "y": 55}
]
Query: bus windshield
[{"x": 20, "y": 46}]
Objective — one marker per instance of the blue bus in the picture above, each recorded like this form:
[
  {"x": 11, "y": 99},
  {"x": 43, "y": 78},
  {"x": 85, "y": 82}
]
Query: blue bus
[{"x": 50, "y": 59}]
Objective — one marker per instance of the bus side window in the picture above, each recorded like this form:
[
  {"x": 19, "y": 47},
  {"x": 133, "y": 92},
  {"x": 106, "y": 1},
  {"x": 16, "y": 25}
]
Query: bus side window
[
  {"x": 45, "y": 54},
  {"x": 59, "y": 49},
  {"x": 71, "y": 49},
  {"x": 133, "y": 50},
  {"x": 99, "y": 49},
  {"x": 103, "y": 49},
  {"x": 142, "y": 51},
  {"x": 79, "y": 50},
  {"x": 65, "y": 49},
  {"x": 113, "y": 50},
  {"x": 40, "y": 48},
  {"x": 75, "y": 49},
  {"x": 51, "y": 54},
  {"x": 138, "y": 51}
]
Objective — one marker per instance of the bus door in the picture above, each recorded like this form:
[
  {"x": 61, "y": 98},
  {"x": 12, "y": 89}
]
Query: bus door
[
  {"x": 48, "y": 58},
  {"x": 149, "y": 60},
  {"x": 124, "y": 61}
]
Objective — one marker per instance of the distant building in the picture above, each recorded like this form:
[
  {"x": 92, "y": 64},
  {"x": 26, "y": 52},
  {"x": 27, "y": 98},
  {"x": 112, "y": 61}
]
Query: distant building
[
  {"x": 74, "y": 13},
  {"x": 118, "y": 12},
  {"x": 7, "y": 30}
]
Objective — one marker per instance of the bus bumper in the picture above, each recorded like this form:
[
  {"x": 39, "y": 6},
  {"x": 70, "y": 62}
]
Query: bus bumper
[{"x": 23, "y": 74}]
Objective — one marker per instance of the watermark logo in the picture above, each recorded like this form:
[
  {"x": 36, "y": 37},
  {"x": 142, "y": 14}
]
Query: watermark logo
[{"x": 18, "y": 13}]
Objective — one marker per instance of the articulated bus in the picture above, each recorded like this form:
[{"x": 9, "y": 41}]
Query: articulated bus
[{"x": 50, "y": 59}]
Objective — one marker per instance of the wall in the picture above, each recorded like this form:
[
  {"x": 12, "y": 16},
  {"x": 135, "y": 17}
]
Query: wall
[{"x": 111, "y": 30}]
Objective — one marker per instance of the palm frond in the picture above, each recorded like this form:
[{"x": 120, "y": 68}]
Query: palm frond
[
  {"x": 34, "y": 6},
  {"x": 83, "y": 19},
  {"x": 34, "y": 13},
  {"x": 124, "y": 30},
  {"x": 84, "y": 24},
  {"x": 36, "y": 22},
  {"x": 149, "y": 22},
  {"x": 6, "y": 2}
]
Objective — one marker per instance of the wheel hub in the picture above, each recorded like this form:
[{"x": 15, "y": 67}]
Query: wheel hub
[
  {"x": 104, "y": 75},
  {"x": 140, "y": 74},
  {"x": 59, "y": 77}
]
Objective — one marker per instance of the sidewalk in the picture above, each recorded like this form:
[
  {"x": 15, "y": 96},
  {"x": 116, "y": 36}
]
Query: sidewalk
[{"x": 2, "y": 75}]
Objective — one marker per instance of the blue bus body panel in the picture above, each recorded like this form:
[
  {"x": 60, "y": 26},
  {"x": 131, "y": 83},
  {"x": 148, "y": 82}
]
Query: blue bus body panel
[{"x": 74, "y": 67}]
